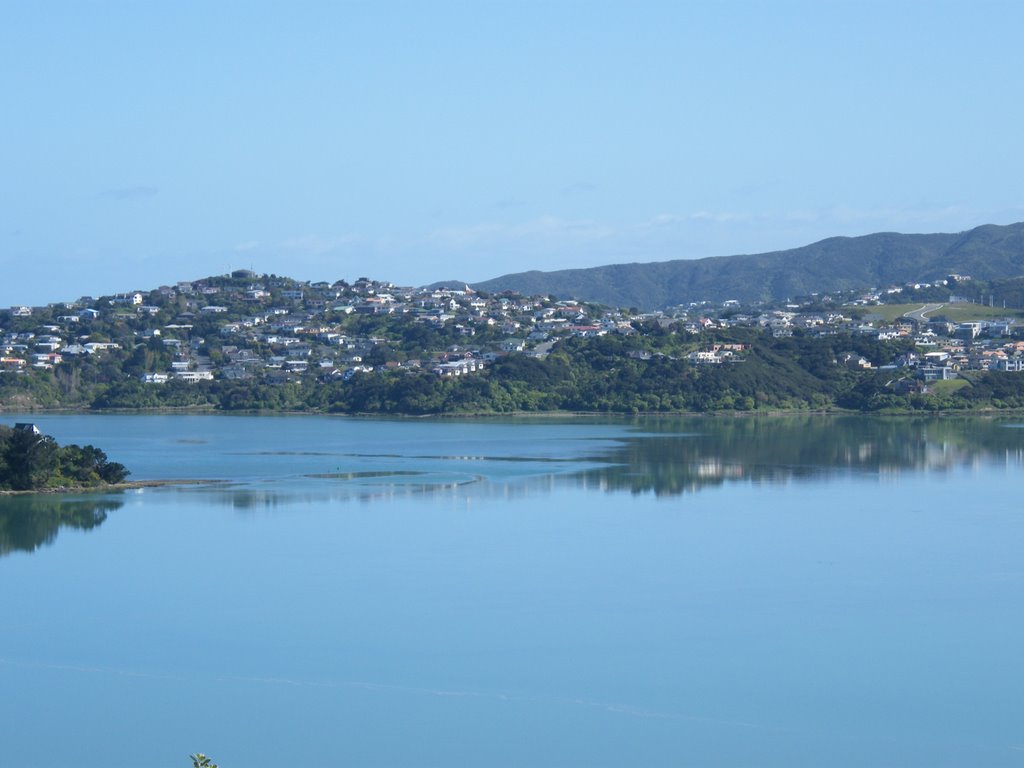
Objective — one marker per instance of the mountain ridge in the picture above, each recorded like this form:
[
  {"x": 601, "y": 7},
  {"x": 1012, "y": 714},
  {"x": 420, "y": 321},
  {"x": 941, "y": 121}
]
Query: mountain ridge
[{"x": 838, "y": 263}]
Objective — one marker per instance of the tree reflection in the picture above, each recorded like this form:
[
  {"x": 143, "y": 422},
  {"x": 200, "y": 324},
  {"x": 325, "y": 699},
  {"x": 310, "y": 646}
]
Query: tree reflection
[
  {"x": 679, "y": 456},
  {"x": 30, "y": 522}
]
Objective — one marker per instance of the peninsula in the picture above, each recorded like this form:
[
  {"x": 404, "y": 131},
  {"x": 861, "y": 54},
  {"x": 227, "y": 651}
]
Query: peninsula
[{"x": 32, "y": 461}]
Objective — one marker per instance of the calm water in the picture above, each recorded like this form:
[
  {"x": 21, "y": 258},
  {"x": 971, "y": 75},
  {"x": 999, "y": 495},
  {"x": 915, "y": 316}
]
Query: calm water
[{"x": 664, "y": 592}]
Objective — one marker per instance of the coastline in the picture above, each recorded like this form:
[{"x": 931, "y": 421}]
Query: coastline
[
  {"x": 125, "y": 486},
  {"x": 207, "y": 410}
]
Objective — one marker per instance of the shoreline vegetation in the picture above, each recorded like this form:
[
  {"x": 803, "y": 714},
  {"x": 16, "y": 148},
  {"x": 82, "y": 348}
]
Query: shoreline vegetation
[
  {"x": 124, "y": 486},
  {"x": 32, "y": 462},
  {"x": 211, "y": 410}
]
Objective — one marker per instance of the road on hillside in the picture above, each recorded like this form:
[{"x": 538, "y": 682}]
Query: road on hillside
[
  {"x": 920, "y": 314},
  {"x": 542, "y": 349}
]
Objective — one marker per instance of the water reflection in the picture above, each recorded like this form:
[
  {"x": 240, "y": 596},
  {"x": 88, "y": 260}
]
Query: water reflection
[
  {"x": 667, "y": 462},
  {"x": 663, "y": 456},
  {"x": 347, "y": 487},
  {"x": 656, "y": 455},
  {"x": 30, "y": 522}
]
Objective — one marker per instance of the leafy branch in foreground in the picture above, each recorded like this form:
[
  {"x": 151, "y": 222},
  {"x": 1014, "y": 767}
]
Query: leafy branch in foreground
[{"x": 199, "y": 760}]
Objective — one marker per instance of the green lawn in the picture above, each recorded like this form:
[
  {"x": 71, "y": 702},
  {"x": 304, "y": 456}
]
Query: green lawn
[
  {"x": 961, "y": 312},
  {"x": 889, "y": 312},
  {"x": 965, "y": 313},
  {"x": 946, "y": 387}
]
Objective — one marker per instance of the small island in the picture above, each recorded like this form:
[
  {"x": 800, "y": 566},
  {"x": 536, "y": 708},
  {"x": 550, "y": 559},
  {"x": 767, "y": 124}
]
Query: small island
[{"x": 31, "y": 461}]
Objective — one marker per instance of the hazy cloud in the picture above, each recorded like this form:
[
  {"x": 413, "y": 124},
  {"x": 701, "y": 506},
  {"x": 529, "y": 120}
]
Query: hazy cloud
[
  {"x": 318, "y": 245},
  {"x": 580, "y": 187},
  {"x": 720, "y": 217},
  {"x": 898, "y": 216},
  {"x": 835, "y": 216},
  {"x": 663, "y": 221},
  {"x": 541, "y": 228},
  {"x": 755, "y": 187},
  {"x": 139, "y": 192},
  {"x": 703, "y": 231},
  {"x": 510, "y": 202}
]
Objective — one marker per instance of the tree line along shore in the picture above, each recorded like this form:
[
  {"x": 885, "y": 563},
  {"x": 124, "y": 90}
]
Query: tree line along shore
[{"x": 31, "y": 461}]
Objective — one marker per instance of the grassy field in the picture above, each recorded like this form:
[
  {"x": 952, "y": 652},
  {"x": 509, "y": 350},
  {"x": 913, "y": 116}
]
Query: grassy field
[
  {"x": 961, "y": 312},
  {"x": 889, "y": 312},
  {"x": 946, "y": 387},
  {"x": 965, "y": 313}
]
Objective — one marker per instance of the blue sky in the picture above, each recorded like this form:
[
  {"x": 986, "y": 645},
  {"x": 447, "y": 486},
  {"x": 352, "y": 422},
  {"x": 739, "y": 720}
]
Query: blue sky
[{"x": 143, "y": 143}]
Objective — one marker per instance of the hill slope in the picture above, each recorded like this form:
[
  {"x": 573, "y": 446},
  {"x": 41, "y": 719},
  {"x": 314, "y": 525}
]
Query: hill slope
[{"x": 838, "y": 263}]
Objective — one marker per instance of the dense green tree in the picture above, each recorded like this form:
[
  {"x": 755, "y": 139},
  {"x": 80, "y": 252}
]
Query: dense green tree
[{"x": 30, "y": 461}]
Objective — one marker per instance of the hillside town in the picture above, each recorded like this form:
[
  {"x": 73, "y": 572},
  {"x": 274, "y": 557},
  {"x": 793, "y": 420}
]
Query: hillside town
[{"x": 243, "y": 326}]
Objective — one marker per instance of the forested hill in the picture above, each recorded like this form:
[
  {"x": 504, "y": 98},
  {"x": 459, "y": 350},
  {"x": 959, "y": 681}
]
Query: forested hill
[{"x": 838, "y": 263}]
